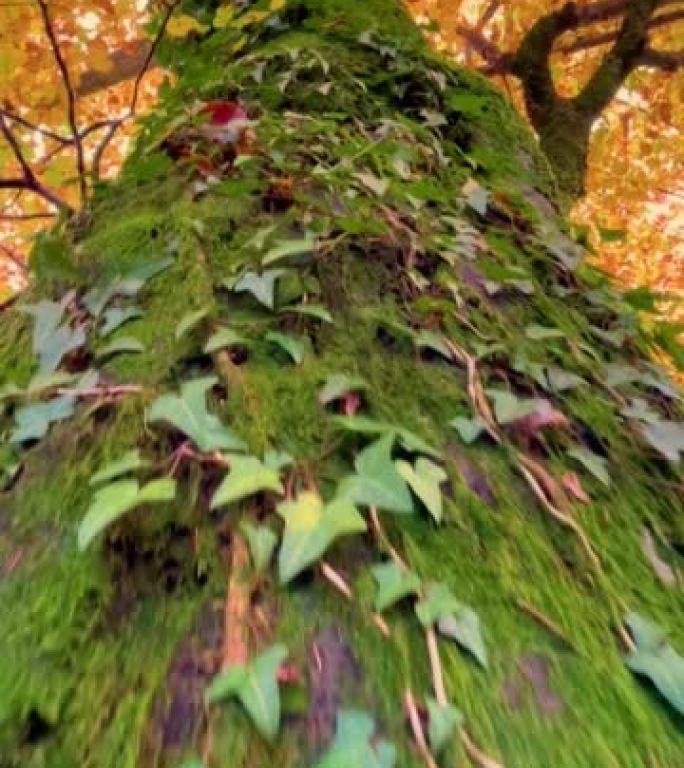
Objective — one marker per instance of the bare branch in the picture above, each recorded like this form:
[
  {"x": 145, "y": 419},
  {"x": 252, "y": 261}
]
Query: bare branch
[
  {"x": 25, "y": 216},
  {"x": 71, "y": 97},
  {"x": 668, "y": 61},
  {"x": 33, "y": 127},
  {"x": 498, "y": 62},
  {"x": 14, "y": 258},
  {"x": 16, "y": 149}
]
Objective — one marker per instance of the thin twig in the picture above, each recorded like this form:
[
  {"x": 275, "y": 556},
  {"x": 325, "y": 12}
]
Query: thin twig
[
  {"x": 475, "y": 753},
  {"x": 14, "y": 259},
  {"x": 71, "y": 97},
  {"x": 417, "y": 729},
  {"x": 382, "y": 538},
  {"x": 436, "y": 667},
  {"x": 33, "y": 127},
  {"x": 336, "y": 580},
  {"x": 543, "y": 620}
]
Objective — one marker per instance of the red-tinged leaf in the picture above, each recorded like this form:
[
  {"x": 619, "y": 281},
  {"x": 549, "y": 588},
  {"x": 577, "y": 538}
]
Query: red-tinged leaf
[
  {"x": 224, "y": 112},
  {"x": 573, "y": 486},
  {"x": 545, "y": 416}
]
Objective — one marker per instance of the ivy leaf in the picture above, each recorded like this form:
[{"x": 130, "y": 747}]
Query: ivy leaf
[
  {"x": 310, "y": 528},
  {"x": 129, "y": 462},
  {"x": 247, "y": 476},
  {"x": 509, "y": 408},
  {"x": 468, "y": 429},
  {"x": 116, "y": 316},
  {"x": 277, "y": 459},
  {"x": 262, "y": 542},
  {"x": 434, "y": 341},
  {"x": 454, "y": 619},
  {"x": 394, "y": 584},
  {"x": 355, "y": 745},
  {"x": 560, "y": 380},
  {"x": 129, "y": 284},
  {"x": 337, "y": 385},
  {"x": 119, "y": 346},
  {"x": 188, "y": 413},
  {"x": 189, "y": 321},
  {"x": 442, "y": 722},
  {"x": 310, "y": 310},
  {"x": 541, "y": 333},
  {"x": 657, "y": 660},
  {"x": 667, "y": 437},
  {"x": 112, "y": 501},
  {"x": 425, "y": 479},
  {"x": 374, "y": 183},
  {"x": 261, "y": 286},
  {"x": 192, "y": 762},
  {"x": 222, "y": 338},
  {"x": 377, "y": 482},
  {"x": 476, "y": 196},
  {"x": 464, "y": 628},
  {"x": 291, "y": 345},
  {"x": 52, "y": 341},
  {"x": 595, "y": 464},
  {"x": 256, "y": 687},
  {"x": 367, "y": 426},
  {"x": 34, "y": 420},
  {"x": 284, "y": 248}
]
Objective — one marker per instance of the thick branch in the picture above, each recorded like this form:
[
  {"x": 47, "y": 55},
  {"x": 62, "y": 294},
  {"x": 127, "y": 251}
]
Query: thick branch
[
  {"x": 621, "y": 59},
  {"x": 71, "y": 96},
  {"x": 666, "y": 60}
]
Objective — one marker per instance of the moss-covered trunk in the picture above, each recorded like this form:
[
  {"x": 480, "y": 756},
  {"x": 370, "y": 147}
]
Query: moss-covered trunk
[{"x": 411, "y": 226}]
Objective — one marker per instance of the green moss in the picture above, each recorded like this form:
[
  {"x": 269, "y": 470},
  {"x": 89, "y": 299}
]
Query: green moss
[{"x": 91, "y": 636}]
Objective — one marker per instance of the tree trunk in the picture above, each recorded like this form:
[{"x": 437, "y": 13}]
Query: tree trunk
[{"x": 441, "y": 300}]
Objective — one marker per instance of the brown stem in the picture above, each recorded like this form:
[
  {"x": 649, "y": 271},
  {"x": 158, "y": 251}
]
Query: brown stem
[
  {"x": 9, "y": 115},
  {"x": 71, "y": 97}
]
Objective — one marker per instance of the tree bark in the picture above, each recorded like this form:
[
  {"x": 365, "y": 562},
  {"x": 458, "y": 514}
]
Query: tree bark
[{"x": 418, "y": 212}]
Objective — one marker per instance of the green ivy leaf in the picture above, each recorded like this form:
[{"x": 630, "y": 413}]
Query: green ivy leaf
[
  {"x": 192, "y": 762},
  {"x": 277, "y": 459},
  {"x": 129, "y": 462},
  {"x": 125, "y": 344},
  {"x": 112, "y": 501},
  {"x": 394, "y": 584},
  {"x": 453, "y": 618},
  {"x": 256, "y": 687},
  {"x": 374, "y": 183},
  {"x": 337, "y": 385},
  {"x": 509, "y": 408},
  {"x": 34, "y": 420},
  {"x": 282, "y": 249},
  {"x": 561, "y": 381},
  {"x": 128, "y": 284},
  {"x": 667, "y": 437},
  {"x": 468, "y": 429},
  {"x": 476, "y": 196},
  {"x": 657, "y": 660},
  {"x": 247, "y": 476},
  {"x": 116, "y": 316},
  {"x": 291, "y": 345},
  {"x": 595, "y": 464},
  {"x": 354, "y": 745},
  {"x": 310, "y": 310},
  {"x": 222, "y": 338},
  {"x": 368, "y": 426},
  {"x": 188, "y": 413},
  {"x": 442, "y": 722},
  {"x": 310, "y": 528},
  {"x": 52, "y": 341},
  {"x": 377, "y": 482},
  {"x": 262, "y": 542},
  {"x": 437, "y": 342},
  {"x": 541, "y": 333},
  {"x": 425, "y": 479},
  {"x": 189, "y": 321},
  {"x": 261, "y": 286}
]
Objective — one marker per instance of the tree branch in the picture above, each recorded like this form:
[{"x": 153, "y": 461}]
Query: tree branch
[
  {"x": 33, "y": 127},
  {"x": 669, "y": 61},
  {"x": 620, "y": 60},
  {"x": 71, "y": 97},
  {"x": 11, "y": 139}
]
